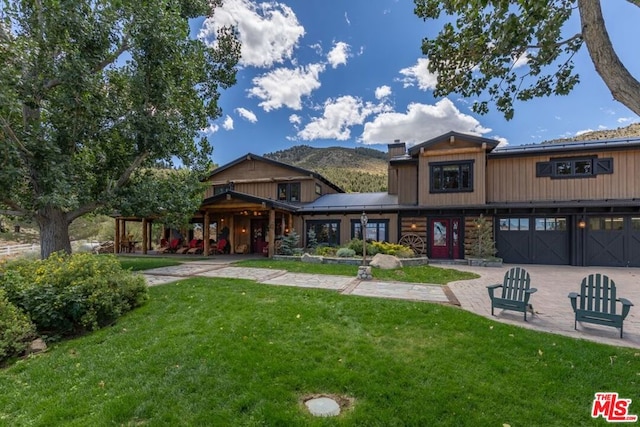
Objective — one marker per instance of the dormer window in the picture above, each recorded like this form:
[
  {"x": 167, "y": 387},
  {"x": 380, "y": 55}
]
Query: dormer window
[{"x": 289, "y": 192}]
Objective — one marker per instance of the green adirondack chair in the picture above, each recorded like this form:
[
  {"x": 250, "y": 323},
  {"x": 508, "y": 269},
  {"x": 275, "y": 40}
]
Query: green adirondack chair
[
  {"x": 516, "y": 292},
  {"x": 596, "y": 302}
]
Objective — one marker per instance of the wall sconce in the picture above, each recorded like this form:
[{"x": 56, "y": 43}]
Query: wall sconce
[
  {"x": 244, "y": 230},
  {"x": 286, "y": 230},
  {"x": 414, "y": 226},
  {"x": 582, "y": 224}
]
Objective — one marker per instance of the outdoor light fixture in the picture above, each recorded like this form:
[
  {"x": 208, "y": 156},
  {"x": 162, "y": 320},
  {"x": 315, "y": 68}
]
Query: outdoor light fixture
[
  {"x": 582, "y": 223},
  {"x": 244, "y": 230},
  {"x": 413, "y": 226},
  {"x": 363, "y": 221}
]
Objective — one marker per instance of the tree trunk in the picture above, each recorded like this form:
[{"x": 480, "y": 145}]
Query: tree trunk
[
  {"x": 54, "y": 231},
  {"x": 623, "y": 86}
]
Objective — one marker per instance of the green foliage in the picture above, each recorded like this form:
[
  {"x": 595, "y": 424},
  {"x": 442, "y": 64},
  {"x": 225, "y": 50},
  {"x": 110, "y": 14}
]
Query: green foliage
[
  {"x": 355, "y": 181},
  {"x": 345, "y": 253},
  {"x": 395, "y": 249},
  {"x": 312, "y": 240},
  {"x": 290, "y": 243},
  {"x": 324, "y": 250},
  {"x": 481, "y": 241},
  {"x": 16, "y": 330},
  {"x": 476, "y": 52},
  {"x": 77, "y": 120},
  {"x": 69, "y": 294}
]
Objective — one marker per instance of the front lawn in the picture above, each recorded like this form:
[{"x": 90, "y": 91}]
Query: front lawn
[
  {"x": 146, "y": 262},
  {"x": 236, "y": 353},
  {"x": 414, "y": 274}
]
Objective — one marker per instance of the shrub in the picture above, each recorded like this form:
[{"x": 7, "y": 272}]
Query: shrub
[
  {"x": 326, "y": 250},
  {"x": 357, "y": 246},
  {"x": 346, "y": 253},
  {"x": 290, "y": 243},
  {"x": 396, "y": 249},
  {"x": 69, "y": 294},
  {"x": 16, "y": 330}
]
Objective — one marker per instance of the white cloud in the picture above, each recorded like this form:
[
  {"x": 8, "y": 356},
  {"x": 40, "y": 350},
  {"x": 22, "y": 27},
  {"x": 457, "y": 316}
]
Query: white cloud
[
  {"x": 269, "y": 32},
  {"x": 295, "y": 119},
  {"x": 581, "y": 132},
  {"x": 338, "y": 55},
  {"x": 627, "y": 119},
  {"x": 521, "y": 61},
  {"x": 419, "y": 74},
  {"x": 285, "y": 87},
  {"x": 246, "y": 114},
  {"x": 383, "y": 92},
  {"x": 338, "y": 117},
  {"x": 421, "y": 122},
  {"x": 228, "y": 123},
  {"x": 346, "y": 18},
  {"x": 210, "y": 130}
]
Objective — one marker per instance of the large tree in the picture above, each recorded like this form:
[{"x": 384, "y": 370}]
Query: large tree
[
  {"x": 92, "y": 91},
  {"x": 477, "y": 50}
]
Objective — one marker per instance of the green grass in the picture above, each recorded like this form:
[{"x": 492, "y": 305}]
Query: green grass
[
  {"x": 146, "y": 262},
  {"x": 414, "y": 274},
  {"x": 209, "y": 352}
]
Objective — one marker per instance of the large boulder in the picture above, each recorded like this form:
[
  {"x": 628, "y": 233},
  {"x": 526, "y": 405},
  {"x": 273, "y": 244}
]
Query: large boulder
[{"x": 385, "y": 262}]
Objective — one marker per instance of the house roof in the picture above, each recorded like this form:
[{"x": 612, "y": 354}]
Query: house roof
[
  {"x": 251, "y": 156},
  {"x": 491, "y": 143},
  {"x": 566, "y": 147},
  {"x": 352, "y": 202},
  {"x": 231, "y": 194}
]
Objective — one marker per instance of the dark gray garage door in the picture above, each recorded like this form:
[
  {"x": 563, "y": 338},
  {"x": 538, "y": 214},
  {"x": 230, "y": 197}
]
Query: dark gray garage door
[
  {"x": 613, "y": 241},
  {"x": 533, "y": 240}
]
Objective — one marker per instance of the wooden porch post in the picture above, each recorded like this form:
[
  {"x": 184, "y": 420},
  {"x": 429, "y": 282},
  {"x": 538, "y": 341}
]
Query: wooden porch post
[
  {"x": 205, "y": 233},
  {"x": 116, "y": 240},
  {"x": 145, "y": 236},
  {"x": 150, "y": 234},
  {"x": 272, "y": 232}
]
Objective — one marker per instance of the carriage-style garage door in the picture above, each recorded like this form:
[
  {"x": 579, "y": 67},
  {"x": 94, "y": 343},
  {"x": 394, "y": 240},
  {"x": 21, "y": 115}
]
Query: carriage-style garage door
[
  {"x": 533, "y": 240},
  {"x": 613, "y": 241}
]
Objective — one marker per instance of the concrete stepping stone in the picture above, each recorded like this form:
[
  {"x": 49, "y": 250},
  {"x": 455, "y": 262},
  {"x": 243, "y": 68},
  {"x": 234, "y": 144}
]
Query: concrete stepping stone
[{"x": 323, "y": 407}]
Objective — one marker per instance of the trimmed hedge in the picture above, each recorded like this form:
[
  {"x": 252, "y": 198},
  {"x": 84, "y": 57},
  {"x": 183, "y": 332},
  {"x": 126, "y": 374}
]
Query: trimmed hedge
[{"x": 67, "y": 295}]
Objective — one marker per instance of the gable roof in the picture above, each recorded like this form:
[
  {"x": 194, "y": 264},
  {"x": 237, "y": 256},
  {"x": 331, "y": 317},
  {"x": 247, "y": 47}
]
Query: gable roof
[
  {"x": 567, "y": 147},
  {"x": 251, "y": 156},
  {"x": 491, "y": 143},
  {"x": 231, "y": 194}
]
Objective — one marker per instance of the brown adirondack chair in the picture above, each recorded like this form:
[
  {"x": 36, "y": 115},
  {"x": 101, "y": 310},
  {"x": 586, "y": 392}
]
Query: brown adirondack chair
[
  {"x": 516, "y": 292},
  {"x": 596, "y": 302}
]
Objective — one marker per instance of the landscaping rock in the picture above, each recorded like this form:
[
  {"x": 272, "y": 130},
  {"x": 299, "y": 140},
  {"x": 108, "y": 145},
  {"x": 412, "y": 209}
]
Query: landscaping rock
[
  {"x": 311, "y": 259},
  {"x": 385, "y": 262},
  {"x": 364, "y": 273},
  {"x": 37, "y": 346},
  {"x": 323, "y": 407}
]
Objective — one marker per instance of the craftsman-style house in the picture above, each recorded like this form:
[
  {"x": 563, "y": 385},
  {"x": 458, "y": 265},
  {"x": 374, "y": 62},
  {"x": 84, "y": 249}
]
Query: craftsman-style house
[{"x": 573, "y": 203}]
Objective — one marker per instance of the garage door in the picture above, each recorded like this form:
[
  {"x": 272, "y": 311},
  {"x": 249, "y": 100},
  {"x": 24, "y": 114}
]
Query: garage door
[
  {"x": 613, "y": 241},
  {"x": 533, "y": 240}
]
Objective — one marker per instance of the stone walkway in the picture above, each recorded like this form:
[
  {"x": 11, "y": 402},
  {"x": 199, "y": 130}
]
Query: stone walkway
[{"x": 552, "y": 307}]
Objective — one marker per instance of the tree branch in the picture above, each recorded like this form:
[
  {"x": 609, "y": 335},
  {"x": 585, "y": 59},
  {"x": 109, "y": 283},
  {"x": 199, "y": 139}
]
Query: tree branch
[
  {"x": 7, "y": 129},
  {"x": 560, "y": 43},
  {"x": 15, "y": 209},
  {"x": 98, "y": 67},
  {"x": 623, "y": 86}
]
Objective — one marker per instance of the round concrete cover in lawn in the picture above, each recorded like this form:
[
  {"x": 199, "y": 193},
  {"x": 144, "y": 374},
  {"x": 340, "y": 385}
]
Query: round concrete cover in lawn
[{"x": 323, "y": 407}]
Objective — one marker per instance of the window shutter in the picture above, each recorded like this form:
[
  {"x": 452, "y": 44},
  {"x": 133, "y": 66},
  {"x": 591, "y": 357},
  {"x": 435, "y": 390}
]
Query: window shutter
[
  {"x": 544, "y": 169},
  {"x": 604, "y": 166}
]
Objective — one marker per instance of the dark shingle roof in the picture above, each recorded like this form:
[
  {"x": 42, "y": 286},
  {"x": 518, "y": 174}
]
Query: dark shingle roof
[{"x": 352, "y": 202}]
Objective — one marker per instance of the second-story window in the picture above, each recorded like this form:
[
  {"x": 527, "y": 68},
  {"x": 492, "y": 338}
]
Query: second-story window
[
  {"x": 219, "y": 189},
  {"x": 289, "y": 192},
  {"x": 447, "y": 177}
]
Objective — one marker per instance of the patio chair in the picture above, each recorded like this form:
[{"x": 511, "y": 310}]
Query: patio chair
[
  {"x": 596, "y": 302},
  {"x": 515, "y": 294}
]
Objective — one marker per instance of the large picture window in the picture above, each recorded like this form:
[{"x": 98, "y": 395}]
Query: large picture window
[
  {"x": 289, "y": 192},
  {"x": 377, "y": 229},
  {"x": 327, "y": 231},
  {"x": 448, "y": 177}
]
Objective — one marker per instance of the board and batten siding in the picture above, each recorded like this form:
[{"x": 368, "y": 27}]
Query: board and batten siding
[
  {"x": 475, "y": 197},
  {"x": 513, "y": 179}
]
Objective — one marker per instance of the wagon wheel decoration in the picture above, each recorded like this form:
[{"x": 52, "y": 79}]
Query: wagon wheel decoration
[{"x": 415, "y": 242}]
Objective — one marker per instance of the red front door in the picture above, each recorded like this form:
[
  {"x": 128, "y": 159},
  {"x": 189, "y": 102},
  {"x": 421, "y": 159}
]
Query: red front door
[{"x": 444, "y": 238}]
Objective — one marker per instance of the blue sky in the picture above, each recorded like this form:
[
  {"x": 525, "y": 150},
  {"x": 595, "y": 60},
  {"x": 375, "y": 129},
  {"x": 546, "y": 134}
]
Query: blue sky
[{"x": 351, "y": 73}]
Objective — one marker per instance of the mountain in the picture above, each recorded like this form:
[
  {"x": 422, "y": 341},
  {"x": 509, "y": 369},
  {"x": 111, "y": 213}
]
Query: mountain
[
  {"x": 631, "y": 131},
  {"x": 355, "y": 170}
]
